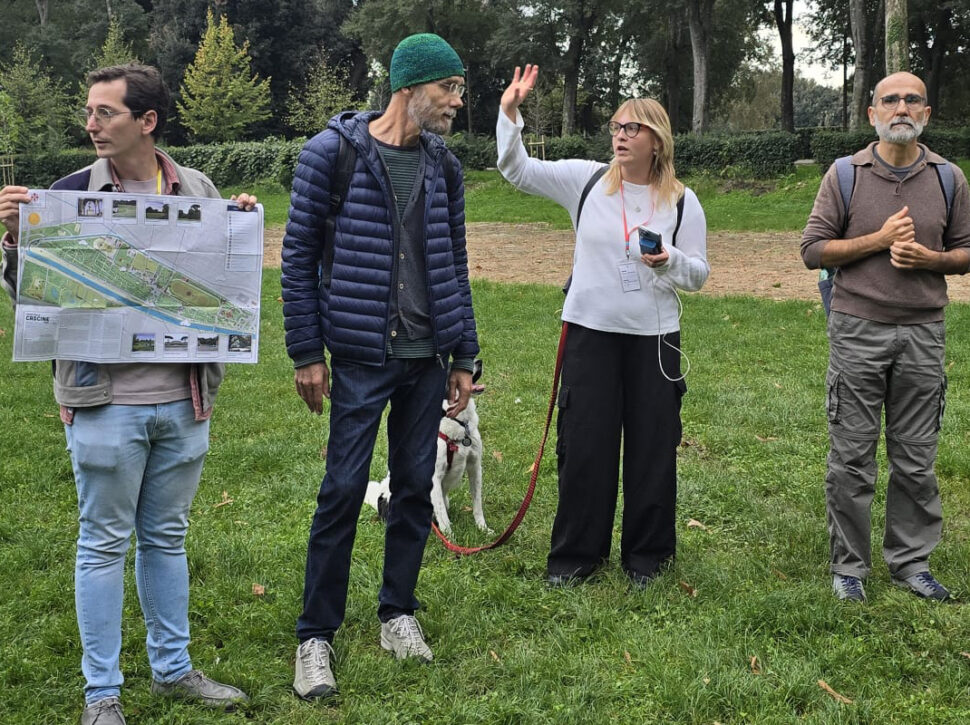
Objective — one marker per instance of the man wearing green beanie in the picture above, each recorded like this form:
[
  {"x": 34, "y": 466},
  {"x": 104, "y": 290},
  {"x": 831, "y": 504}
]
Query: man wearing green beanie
[{"x": 376, "y": 274}]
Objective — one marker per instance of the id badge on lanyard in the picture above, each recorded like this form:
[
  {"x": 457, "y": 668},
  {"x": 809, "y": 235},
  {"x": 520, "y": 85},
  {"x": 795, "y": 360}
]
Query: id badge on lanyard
[{"x": 629, "y": 274}]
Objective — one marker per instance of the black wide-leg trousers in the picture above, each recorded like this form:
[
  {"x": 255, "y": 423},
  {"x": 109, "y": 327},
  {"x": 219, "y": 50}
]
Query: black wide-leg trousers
[{"x": 613, "y": 390}]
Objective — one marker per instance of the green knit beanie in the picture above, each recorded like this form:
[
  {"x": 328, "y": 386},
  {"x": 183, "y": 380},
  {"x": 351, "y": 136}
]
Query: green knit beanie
[{"x": 422, "y": 58}]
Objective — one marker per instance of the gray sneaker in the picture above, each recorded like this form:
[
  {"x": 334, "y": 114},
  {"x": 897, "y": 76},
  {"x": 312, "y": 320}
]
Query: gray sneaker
[
  {"x": 314, "y": 673},
  {"x": 403, "y": 636},
  {"x": 848, "y": 588},
  {"x": 103, "y": 712},
  {"x": 924, "y": 585},
  {"x": 195, "y": 687}
]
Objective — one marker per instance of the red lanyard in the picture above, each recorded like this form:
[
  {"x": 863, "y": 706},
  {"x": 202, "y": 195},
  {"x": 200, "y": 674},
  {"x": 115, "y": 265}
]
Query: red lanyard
[{"x": 627, "y": 231}]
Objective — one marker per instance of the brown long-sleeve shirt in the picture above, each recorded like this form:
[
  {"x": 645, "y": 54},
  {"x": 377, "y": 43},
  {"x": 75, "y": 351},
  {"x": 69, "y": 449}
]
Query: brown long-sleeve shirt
[{"x": 871, "y": 287}]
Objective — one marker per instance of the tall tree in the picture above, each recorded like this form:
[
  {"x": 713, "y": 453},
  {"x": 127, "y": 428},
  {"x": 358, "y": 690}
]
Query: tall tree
[
  {"x": 580, "y": 18},
  {"x": 220, "y": 96},
  {"x": 700, "y": 21},
  {"x": 115, "y": 50},
  {"x": 325, "y": 94},
  {"x": 897, "y": 36},
  {"x": 783, "y": 20},
  {"x": 863, "y": 20},
  {"x": 40, "y": 102}
]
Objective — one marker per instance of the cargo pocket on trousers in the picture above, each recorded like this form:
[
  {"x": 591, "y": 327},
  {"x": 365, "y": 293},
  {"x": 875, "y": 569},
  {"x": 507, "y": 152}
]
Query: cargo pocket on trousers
[
  {"x": 562, "y": 402},
  {"x": 942, "y": 403},
  {"x": 833, "y": 383}
]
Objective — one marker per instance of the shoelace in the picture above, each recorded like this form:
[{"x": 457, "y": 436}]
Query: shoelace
[
  {"x": 108, "y": 705},
  {"x": 852, "y": 585},
  {"x": 407, "y": 628},
  {"x": 317, "y": 654},
  {"x": 927, "y": 580}
]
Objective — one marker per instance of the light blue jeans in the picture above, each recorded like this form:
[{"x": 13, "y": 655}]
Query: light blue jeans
[{"x": 137, "y": 468}]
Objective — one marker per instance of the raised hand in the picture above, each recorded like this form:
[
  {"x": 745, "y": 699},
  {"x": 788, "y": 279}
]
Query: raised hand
[{"x": 522, "y": 84}]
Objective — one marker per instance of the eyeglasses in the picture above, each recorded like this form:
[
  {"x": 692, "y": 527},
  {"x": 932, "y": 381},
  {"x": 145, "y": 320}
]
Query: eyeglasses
[
  {"x": 102, "y": 115},
  {"x": 455, "y": 89},
  {"x": 912, "y": 100},
  {"x": 631, "y": 129}
]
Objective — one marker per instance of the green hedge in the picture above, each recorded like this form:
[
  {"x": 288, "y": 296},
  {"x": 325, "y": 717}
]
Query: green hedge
[{"x": 758, "y": 154}]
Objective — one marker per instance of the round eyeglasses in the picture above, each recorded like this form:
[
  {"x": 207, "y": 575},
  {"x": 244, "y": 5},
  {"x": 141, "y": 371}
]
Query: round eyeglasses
[
  {"x": 455, "y": 89},
  {"x": 102, "y": 115}
]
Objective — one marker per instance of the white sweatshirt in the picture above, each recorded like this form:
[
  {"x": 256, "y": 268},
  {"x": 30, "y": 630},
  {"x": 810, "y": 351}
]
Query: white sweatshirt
[{"x": 596, "y": 298}]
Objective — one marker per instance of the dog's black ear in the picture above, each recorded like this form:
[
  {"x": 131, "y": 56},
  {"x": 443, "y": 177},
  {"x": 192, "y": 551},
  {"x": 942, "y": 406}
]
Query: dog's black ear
[
  {"x": 478, "y": 371},
  {"x": 383, "y": 506}
]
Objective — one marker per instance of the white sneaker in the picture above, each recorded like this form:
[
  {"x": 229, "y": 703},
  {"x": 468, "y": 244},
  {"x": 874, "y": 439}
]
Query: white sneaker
[
  {"x": 314, "y": 674},
  {"x": 403, "y": 636}
]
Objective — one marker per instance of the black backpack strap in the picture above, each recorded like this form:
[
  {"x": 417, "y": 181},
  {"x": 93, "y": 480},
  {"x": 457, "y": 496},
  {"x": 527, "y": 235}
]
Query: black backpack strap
[
  {"x": 339, "y": 184},
  {"x": 588, "y": 188},
  {"x": 597, "y": 175},
  {"x": 680, "y": 218}
]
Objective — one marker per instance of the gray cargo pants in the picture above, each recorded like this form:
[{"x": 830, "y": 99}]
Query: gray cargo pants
[{"x": 872, "y": 364}]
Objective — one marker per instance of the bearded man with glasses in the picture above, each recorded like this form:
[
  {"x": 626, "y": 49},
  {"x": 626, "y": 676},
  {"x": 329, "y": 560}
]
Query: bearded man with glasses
[
  {"x": 137, "y": 433},
  {"x": 375, "y": 272},
  {"x": 893, "y": 236}
]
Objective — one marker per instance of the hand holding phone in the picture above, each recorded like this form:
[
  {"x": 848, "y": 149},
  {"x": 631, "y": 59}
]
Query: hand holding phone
[{"x": 651, "y": 242}]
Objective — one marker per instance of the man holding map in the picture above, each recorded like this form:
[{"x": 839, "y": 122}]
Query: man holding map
[{"x": 137, "y": 433}]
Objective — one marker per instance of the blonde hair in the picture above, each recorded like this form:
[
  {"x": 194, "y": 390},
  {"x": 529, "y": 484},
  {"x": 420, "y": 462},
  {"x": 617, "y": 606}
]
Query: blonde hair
[{"x": 652, "y": 115}]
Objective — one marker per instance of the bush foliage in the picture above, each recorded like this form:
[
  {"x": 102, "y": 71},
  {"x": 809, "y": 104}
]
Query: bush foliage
[{"x": 749, "y": 154}]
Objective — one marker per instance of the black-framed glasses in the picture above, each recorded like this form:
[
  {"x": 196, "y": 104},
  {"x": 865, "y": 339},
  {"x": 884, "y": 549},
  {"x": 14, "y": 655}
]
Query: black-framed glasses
[
  {"x": 102, "y": 115},
  {"x": 455, "y": 89},
  {"x": 631, "y": 129},
  {"x": 912, "y": 100}
]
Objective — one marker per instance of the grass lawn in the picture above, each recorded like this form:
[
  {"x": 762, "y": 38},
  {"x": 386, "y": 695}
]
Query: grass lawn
[{"x": 741, "y": 630}]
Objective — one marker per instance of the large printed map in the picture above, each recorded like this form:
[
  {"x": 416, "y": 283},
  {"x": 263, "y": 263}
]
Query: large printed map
[{"x": 127, "y": 277}]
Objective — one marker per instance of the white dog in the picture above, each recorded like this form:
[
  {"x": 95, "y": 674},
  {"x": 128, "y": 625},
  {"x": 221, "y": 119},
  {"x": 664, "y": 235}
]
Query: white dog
[{"x": 459, "y": 452}]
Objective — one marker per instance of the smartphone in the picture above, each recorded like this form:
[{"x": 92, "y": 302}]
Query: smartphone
[{"x": 650, "y": 242}]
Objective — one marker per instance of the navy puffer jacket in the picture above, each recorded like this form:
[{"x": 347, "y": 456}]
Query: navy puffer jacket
[{"x": 350, "y": 316}]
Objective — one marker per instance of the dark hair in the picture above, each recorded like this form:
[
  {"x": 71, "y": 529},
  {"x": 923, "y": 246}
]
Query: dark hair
[{"x": 144, "y": 90}]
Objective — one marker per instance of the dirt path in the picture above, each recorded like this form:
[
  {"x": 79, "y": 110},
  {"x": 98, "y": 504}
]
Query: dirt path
[{"x": 759, "y": 264}]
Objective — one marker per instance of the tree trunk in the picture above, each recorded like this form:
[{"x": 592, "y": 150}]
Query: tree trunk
[
  {"x": 42, "y": 10},
  {"x": 674, "y": 47},
  {"x": 783, "y": 19},
  {"x": 897, "y": 36},
  {"x": 937, "y": 24},
  {"x": 861, "y": 81},
  {"x": 699, "y": 22},
  {"x": 574, "y": 57},
  {"x": 468, "y": 100}
]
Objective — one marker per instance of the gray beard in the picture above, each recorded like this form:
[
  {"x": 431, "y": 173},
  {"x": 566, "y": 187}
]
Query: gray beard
[
  {"x": 901, "y": 134},
  {"x": 421, "y": 110}
]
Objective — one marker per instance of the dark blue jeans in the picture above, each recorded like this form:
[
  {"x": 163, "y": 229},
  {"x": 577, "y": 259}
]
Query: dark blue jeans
[{"x": 359, "y": 395}]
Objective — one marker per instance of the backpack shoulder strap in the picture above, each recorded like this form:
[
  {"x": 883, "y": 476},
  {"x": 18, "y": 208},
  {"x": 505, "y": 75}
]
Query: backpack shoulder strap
[
  {"x": 339, "y": 184},
  {"x": 846, "y": 174},
  {"x": 588, "y": 188},
  {"x": 680, "y": 218},
  {"x": 944, "y": 173}
]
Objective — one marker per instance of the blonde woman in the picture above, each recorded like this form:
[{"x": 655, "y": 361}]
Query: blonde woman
[{"x": 621, "y": 378}]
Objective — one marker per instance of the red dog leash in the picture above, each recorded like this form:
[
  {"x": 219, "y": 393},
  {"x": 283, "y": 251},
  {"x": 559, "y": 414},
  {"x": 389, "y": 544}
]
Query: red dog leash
[{"x": 467, "y": 550}]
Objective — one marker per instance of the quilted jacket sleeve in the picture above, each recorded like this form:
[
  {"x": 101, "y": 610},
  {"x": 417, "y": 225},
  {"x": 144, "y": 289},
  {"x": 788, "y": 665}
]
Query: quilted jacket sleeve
[
  {"x": 303, "y": 248},
  {"x": 467, "y": 347}
]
